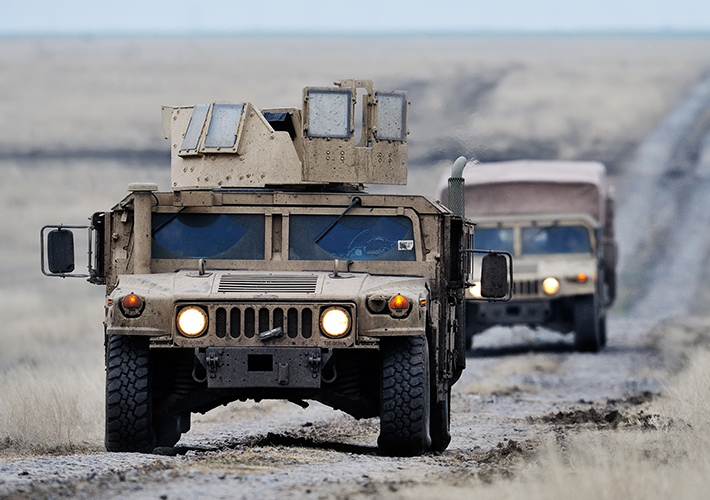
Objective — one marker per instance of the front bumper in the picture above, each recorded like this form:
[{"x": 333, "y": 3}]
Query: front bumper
[
  {"x": 514, "y": 312},
  {"x": 262, "y": 367}
]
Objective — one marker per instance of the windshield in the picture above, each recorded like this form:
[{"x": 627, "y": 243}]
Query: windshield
[
  {"x": 556, "y": 239},
  {"x": 494, "y": 238},
  {"x": 202, "y": 236},
  {"x": 354, "y": 237}
]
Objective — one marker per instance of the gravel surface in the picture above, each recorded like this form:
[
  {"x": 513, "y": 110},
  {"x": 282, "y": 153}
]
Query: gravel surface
[{"x": 517, "y": 379}]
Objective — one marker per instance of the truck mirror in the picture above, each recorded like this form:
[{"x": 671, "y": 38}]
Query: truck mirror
[
  {"x": 60, "y": 251},
  {"x": 610, "y": 254},
  {"x": 494, "y": 276}
]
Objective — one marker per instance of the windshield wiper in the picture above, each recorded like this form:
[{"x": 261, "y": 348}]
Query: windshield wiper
[
  {"x": 356, "y": 201},
  {"x": 170, "y": 219}
]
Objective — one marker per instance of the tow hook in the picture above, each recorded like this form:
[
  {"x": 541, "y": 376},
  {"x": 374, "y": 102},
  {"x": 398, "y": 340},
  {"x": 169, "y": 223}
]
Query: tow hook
[
  {"x": 212, "y": 362},
  {"x": 314, "y": 360}
]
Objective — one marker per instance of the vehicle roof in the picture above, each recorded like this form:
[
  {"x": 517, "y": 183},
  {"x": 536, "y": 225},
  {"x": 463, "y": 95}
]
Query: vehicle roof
[{"x": 534, "y": 187}]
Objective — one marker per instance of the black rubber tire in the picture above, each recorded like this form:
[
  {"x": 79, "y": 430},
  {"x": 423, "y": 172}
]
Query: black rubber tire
[
  {"x": 586, "y": 324},
  {"x": 129, "y": 418},
  {"x": 404, "y": 397},
  {"x": 441, "y": 424},
  {"x": 602, "y": 330}
]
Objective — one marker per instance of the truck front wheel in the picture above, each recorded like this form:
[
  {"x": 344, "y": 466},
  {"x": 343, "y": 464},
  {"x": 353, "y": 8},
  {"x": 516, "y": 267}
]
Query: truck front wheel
[
  {"x": 404, "y": 397},
  {"x": 586, "y": 324},
  {"x": 129, "y": 416}
]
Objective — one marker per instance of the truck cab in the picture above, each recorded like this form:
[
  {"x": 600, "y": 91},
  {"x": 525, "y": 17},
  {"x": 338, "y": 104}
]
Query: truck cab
[{"x": 557, "y": 219}]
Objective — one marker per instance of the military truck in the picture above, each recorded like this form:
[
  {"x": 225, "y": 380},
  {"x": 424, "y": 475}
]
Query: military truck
[
  {"x": 557, "y": 219},
  {"x": 267, "y": 271}
]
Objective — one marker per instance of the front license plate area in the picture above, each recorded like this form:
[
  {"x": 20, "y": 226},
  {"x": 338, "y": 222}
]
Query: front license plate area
[{"x": 236, "y": 367}]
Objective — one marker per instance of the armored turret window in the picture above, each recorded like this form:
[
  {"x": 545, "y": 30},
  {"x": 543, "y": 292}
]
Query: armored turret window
[
  {"x": 391, "y": 116},
  {"x": 329, "y": 112},
  {"x": 354, "y": 237},
  {"x": 194, "y": 129},
  {"x": 208, "y": 236},
  {"x": 222, "y": 132}
]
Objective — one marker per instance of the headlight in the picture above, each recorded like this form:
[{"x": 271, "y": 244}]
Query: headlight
[
  {"x": 335, "y": 322},
  {"x": 550, "y": 286},
  {"x": 475, "y": 290},
  {"x": 192, "y": 321}
]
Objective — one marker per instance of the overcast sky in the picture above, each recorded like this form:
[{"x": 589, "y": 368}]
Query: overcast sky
[{"x": 97, "y": 17}]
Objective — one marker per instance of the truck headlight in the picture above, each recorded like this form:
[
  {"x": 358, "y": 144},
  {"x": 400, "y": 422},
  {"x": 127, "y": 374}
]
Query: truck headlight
[
  {"x": 192, "y": 321},
  {"x": 335, "y": 322},
  {"x": 550, "y": 286},
  {"x": 475, "y": 290}
]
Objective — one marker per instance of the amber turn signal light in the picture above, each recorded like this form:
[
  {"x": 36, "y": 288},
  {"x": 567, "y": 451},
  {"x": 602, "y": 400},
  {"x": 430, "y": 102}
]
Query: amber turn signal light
[
  {"x": 399, "y": 302},
  {"x": 399, "y": 306},
  {"x": 132, "y": 305},
  {"x": 132, "y": 301}
]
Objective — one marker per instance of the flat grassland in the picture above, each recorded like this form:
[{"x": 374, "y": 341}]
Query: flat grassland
[{"x": 80, "y": 119}]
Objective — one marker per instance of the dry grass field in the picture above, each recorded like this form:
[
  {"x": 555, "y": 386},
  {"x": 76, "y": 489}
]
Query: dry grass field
[{"x": 80, "y": 119}]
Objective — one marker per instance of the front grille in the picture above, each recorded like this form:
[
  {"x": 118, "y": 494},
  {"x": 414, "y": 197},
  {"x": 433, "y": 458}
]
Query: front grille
[
  {"x": 526, "y": 288},
  {"x": 236, "y": 283},
  {"x": 247, "y": 321}
]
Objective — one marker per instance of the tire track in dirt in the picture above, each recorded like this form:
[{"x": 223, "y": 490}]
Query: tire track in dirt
[{"x": 660, "y": 199}]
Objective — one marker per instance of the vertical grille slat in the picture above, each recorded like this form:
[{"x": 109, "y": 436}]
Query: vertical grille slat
[
  {"x": 524, "y": 288},
  {"x": 221, "y": 322},
  {"x": 249, "y": 323},
  {"x": 292, "y": 323},
  {"x": 235, "y": 322}
]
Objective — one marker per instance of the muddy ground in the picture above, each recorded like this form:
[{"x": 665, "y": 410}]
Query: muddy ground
[{"x": 519, "y": 385}]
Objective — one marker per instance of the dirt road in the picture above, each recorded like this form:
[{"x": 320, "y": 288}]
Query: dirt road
[{"x": 517, "y": 385}]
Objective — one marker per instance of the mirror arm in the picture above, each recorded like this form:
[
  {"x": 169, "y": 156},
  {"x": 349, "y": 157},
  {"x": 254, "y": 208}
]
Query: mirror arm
[{"x": 510, "y": 270}]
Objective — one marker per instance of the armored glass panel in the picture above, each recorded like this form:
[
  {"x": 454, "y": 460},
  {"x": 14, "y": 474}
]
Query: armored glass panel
[
  {"x": 556, "y": 239},
  {"x": 494, "y": 238},
  {"x": 329, "y": 113},
  {"x": 222, "y": 132},
  {"x": 391, "y": 116},
  {"x": 354, "y": 237},
  {"x": 208, "y": 236},
  {"x": 197, "y": 121}
]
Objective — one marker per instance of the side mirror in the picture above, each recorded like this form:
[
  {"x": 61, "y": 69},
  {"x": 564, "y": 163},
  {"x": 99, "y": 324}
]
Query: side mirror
[
  {"x": 57, "y": 251},
  {"x": 60, "y": 251},
  {"x": 494, "y": 276}
]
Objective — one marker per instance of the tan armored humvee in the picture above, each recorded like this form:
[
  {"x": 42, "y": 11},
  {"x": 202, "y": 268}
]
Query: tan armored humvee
[
  {"x": 268, "y": 272},
  {"x": 556, "y": 218}
]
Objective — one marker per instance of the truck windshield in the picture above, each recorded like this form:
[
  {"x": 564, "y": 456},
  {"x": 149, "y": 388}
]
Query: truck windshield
[
  {"x": 494, "y": 238},
  {"x": 354, "y": 237},
  {"x": 556, "y": 239},
  {"x": 202, "y": 236}
]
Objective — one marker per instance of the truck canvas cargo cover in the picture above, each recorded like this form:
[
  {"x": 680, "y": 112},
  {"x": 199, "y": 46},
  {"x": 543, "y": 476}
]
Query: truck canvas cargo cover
[{"x": 534, "y": 187}]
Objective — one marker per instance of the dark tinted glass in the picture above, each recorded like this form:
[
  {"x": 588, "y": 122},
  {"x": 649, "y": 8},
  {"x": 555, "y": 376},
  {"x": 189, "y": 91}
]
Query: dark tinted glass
[
  {"x": 354, "y": 237},
  {"x": 556, "y": 239},
  {"x": 494, "y": 238},
  {"x": 203, "y": 236}
]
